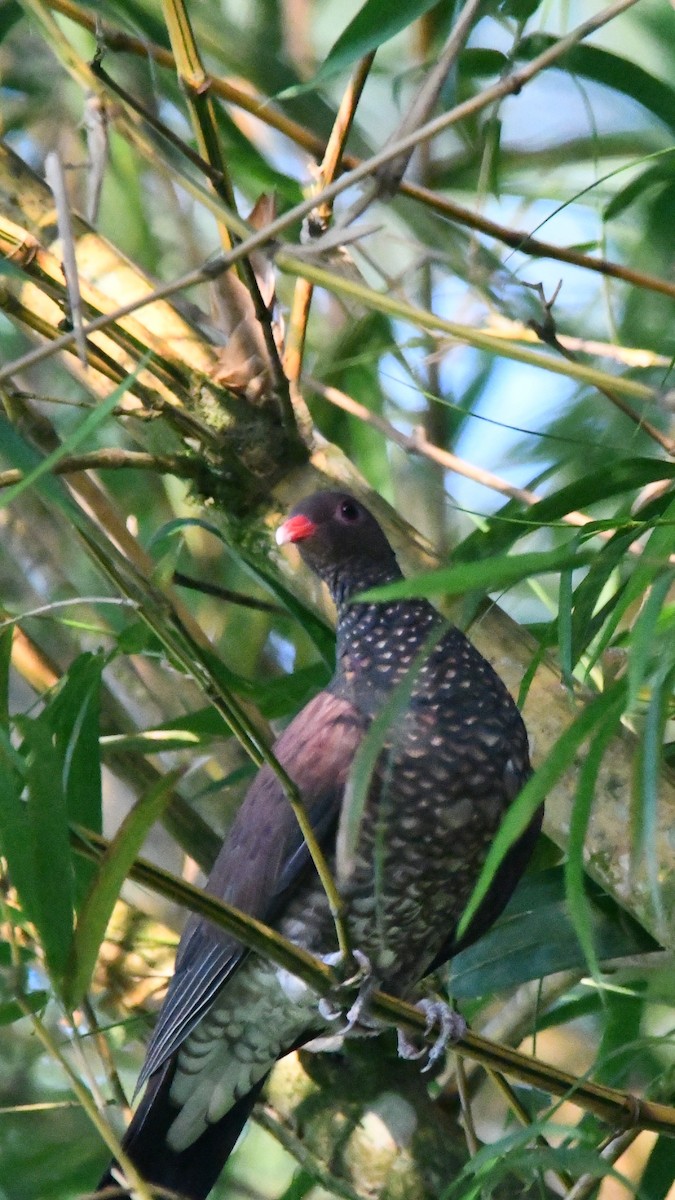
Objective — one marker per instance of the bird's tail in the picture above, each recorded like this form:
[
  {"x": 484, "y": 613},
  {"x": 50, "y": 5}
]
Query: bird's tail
[{"x": 191, "y": 1173}]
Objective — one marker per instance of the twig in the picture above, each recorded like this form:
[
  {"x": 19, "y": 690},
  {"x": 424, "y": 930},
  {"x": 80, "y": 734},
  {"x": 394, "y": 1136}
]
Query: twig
[
  {"x": 226, "y": 594},
  {"x": 98, "y": 150},
  {"x": 114, "y": 459},
  {"x": 473, "y": 1145},
  {"x": 563, "y": 1181},
  {"x": 267, "y": 1119},
  {"x": 103, "y": 1047},
  {"x": 57, "y": 182},
  {"x": 586, "y": 1184},
  {"x": 294, "y": 264},
  {"x": 547, "y": 332}
]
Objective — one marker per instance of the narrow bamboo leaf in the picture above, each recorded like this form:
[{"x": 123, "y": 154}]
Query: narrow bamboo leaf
[
  {"x": 491, "y": 575},
  {"x": 565, "y": 591},
  {"x": 35, "y": 841},
  {"x": 657, "y": 1178},
  {"x": 624, "y": 475},
  {"x": 537, "y": 788},
  {"x": 643, "y": 641},
  {"x": 654, "y": 559},
  {"x": 519, "y": 947},
  {"x": 376, "y": 22},
  {"x": 105, "y": 888},
  {"x": 621, "y": 1029},
  {"x": 520, "y": 1152},
  {"x": 586, "y": 618},
  {"x": 6, "y": 640},
  {"x": 652, "y": 177},
  {"x": 575, "y": 890},
  {"x": 74, "y": 716},
  {"x": 316, "y": 629},
  {"x": 645, "y": 815}
]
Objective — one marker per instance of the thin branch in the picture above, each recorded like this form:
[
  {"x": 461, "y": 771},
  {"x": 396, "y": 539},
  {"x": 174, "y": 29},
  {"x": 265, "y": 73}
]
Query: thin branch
[
  {"x": 418, "y": 443},
  {"x": 114, "y": 459},
  {"x": 586, "y": 1185},
  {"x": 81, "y": 1093},
  {"x": 56, "y": 180},
  {"x": 330, "y": 166},
  {"x": 226, "y": 594},
  {"x": 478, "y": 338},
  {"x": 264, "y": 110},
  {"x": 267, "y": 1119},
  {"x": 472, "y": 1143},
  {"x": 609, "y": 1104}
]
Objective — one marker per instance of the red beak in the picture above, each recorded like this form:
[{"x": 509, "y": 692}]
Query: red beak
[{"x": 295, "y": 529}]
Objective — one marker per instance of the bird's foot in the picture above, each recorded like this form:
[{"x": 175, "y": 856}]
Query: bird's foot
[
  {"x": 362, "y": 978},
  {"x": 451, "y": 1027}
]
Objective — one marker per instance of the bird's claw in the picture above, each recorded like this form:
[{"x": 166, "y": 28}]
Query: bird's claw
[
  {"x": 330, "y": 1007},
  {"x": 438, "y": 1015}
]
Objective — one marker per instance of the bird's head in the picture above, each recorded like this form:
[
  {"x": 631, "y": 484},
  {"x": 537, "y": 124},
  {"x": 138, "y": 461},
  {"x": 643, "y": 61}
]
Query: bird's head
[{"x": 341, "y": 541}]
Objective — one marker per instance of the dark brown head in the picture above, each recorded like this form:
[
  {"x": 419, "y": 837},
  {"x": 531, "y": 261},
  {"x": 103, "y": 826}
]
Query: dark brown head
[{"x": 341, "y": 541}]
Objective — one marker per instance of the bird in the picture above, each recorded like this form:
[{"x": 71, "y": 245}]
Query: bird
[{"x": 450, "y": 763}]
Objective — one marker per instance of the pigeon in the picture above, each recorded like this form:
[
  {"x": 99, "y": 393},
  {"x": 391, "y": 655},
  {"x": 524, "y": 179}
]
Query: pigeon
[{"x": 451, "y": 758}]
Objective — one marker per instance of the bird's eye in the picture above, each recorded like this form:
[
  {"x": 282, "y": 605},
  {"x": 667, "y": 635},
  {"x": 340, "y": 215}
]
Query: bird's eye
[{"x": 349, "y": 511}]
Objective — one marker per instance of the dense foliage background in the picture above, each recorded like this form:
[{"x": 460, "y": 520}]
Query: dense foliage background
[{"x": 489, "y": 347}]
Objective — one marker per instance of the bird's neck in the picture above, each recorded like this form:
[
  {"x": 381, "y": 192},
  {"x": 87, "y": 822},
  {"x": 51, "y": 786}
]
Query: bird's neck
[
  {"x": 361, "y": 576},
  {"x": 377, "y": 644}
]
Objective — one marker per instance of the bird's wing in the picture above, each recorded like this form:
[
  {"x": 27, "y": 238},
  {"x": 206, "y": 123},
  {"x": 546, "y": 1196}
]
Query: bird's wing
[{"x": 261, "y": 861}]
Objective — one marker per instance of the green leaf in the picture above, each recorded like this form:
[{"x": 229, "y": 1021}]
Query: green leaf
[
  {"x": 490, "y": 575},
  {"x": 376, "y": 22},
  {"x": 519, "y": 947},
  {"x": 621, "y": 74},
  {"x": 74, "y": 716},
  {"x": 654, "y": 559},
  {"x": 646, "y": 808},
  {"x": 654, "y": 176},
  {"x": 587, "y": 619},
  {"x": 6, "y": 641},
  {"x": 520, "y": 10},
  {"x": 316, "y": 629},
  {"x": 575, "y": 889},
  {"x": 643, "y": 642},
  {"x": 34, "y": 840},
  {"x": 111, "y": 872},
  {"x": 657, "y": 1179},
  {"x": 617, "y": 478}
]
